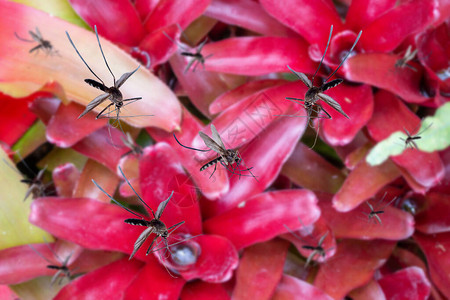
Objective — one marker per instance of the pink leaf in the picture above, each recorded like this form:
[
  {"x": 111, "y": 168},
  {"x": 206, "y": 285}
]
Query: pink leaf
[
  {"x": 410, "y": 283},
  {"x": 107, "y": 282},
  {"x": 372, "y": 290},
  {"x": 253, "y": 56},
  {"x": 200, "y": 290},
  {"x": 260, "y": 270},
  {"x": 434, "y": 218},
  {"x": 388, "y": 31},
  {"x": 247, "y": 14},
  {"x": 302, "y": 17},
  {"x": 65, "y": 177},
  {"x": 339, "y": 276},
  {"x": 294, "y": 288},
  {"x": 158, "y": 47},
  {"x": 263, "y": 217}
]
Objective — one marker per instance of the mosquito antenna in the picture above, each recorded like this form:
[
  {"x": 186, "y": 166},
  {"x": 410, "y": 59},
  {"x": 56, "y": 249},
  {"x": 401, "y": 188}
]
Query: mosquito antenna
[
  {"x": 37, "y": 252},
  {"x": 139, "y": 197},
  {"x": 117, "y": 202},
  {"x": 104, "y": 58},
  {"x": 22, "y": 39},
  {"x": 187, "y": 146},
  {"x": 345, "y": 58},
  {"x": 73, "y": 45},
  {"x": 326, "y": 49}
]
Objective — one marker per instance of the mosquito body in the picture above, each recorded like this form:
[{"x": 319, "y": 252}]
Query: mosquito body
[
  {"x": 410, "y": 139},
  {"x": 375, "y": 212},
  {"x": 409, "y": 55},
  {"x": 316, "y": 93},
  {"x": 112, "y": 93},
  {"x": 44, "y": 45},
  {"x": 316, "y": 250},
  {"x": 197, "y": 56},
  {"x": 63, "y": 269},
  {"x": 155, "y": 225},
  {"x": 226, "y": 156}
]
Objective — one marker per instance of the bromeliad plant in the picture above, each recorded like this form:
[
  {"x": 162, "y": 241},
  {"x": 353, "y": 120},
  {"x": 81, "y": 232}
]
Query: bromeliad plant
[{"x": 241, "y": 226}]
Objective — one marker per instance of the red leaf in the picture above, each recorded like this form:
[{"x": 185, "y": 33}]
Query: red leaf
[
  {"x": 158, "y": 47},
  {"x": 255, "y": 56},
  {"x": 45, "y": 108},
  {"x": 257, "y": 154},
  {"x": 107, "y": 282},
  {"x": 145, "y": 7},
  {"x": 425, "y": 168},
  {"x": 436, "y": 249},
  {"x": 362, "y": 183},
  {"x": 247, "y": 14},
  {"x": 260, "y": 270},
  {"x": 357, "y": 103},
  {"x": 339, "y": 276},
  {"x": 240, "y": 93},
  {"x": 356, "y": 224},
  {"x": 363, "y": 12},
  {"x": 434, "y": 218},
  {"x": 200, "y": 290},
  {"x": 163, "y": 285},
  {"x": 214, "y": 259},
  {"x": 169, "y": 12},
  {"x": 64, "y": 129},
  {"x": 372, "y": 290},
  {"x": 378, "y": 69},
  {"x": 410, "y": 283},
  {"x": 161, "y": 173},
  {"x": 101, "y": 146},
  {"x": 118, "y": 21},
  {"x": 303, "y": 162},
  {"x": 65, "y": 177},
  {"x": 16, "y": 114},
  {"x": 317, "y": 15},
  {"x": 294, "y": 288},
  {"x": 388, "y": 31},
  {"x": 264, "y": 216}
]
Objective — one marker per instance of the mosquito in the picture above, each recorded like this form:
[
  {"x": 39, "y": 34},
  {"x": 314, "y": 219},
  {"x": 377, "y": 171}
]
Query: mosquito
[
  {"x": 155, "y": 225},
  {"x": 410, "y": 139},
  {"x": 197, "y": 56},
  {"x": 112, "y": 93},
  {"x": 36, "y": 185},
  {"x": 44, "y": 45},
  {"x": 63, "y": 269},
  {"x": 374, "y": 213},
  {"x": 409, "y": 55},
  {"x": 317, "y": 251},
  {"x": 225, "y": 156}
]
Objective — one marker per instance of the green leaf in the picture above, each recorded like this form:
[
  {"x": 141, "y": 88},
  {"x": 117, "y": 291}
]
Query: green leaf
[{"x": 434, "y": 136}]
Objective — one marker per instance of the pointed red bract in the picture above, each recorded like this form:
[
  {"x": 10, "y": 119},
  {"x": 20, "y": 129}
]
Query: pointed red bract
[
  {"x": 169, "y": 12},
  {"x": 256, "y": 220},
  {"x": 107, "y": 282},
  {"x": 247, "y": 14},
  {"x": 357, "y": 103},
  {"x": 388, "y": 31},
  {"x": 153, "y": 282},
  {"x": 435, "y": 217},
  {"x": 45, "y": 108},
  {"x": 65, "y": 177},
  {"x": 200, "y": 290},
  {"x": 409, "y": 283},
  {"x": 64, "y": 129},
  {"x": 293, "y": 288},
  {"x": 265, "y": 262},
  {"x": 118, "y": 21},
  {"x": 436, "y": 249},
  {"x": 255, "y": 56},
  {"x": 311, "y": 19},
  {"x": 372, "y": 290},
  {"x": 363, "y": 12},
  {"x": 354, "y": 264},
  {"x": 390, "y": 115},
  {"x": 158, "y": 47},
  {"x": 265, "y": 155},
  {"x": 303, "y": 162}
]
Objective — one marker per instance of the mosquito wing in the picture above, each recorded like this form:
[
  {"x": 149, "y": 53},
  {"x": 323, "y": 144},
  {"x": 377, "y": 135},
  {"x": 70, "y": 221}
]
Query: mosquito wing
[
  {"x": 331, "y": 102},
  {"x": 162, "y": 206},
  {"x": 94, "y": 103},
  {"x": 141, "y": 239},
  {"x": 36, "y": 36},
  {"x": 216, "y": 137},
  {"x": 212, "y": 144},
  {"x": 322, "y": 239},
  {"x": 302, "y": 77},
  {"x": 124, "y": 77}
]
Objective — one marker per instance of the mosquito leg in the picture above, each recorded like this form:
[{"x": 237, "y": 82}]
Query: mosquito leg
[
  {"x": 22, "y": 39},
  {"x": 100, "y": 113},
  {"x": 215, "y": 166}
]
